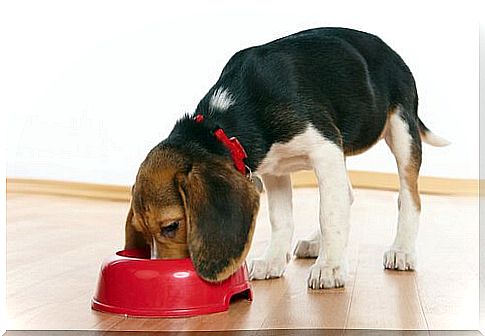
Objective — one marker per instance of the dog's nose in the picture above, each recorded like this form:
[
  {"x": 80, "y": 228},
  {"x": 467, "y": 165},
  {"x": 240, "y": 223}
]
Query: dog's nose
[{"x": 154, "y": 250}]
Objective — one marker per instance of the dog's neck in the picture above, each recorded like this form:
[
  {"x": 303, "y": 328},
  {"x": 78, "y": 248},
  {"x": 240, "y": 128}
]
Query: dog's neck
[
  {"x": 237, "y": 119},
  {"x": 232, "y": 145},
  {"x": 195, "y": 137}
]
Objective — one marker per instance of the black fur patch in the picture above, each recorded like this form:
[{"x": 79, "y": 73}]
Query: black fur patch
[
  {"x": 221, "y": 206},
  {"x": 341, "y": 81}
]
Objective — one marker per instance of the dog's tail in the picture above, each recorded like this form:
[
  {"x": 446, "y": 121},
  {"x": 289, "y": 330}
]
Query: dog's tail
[{"x": 430, "y": 138}]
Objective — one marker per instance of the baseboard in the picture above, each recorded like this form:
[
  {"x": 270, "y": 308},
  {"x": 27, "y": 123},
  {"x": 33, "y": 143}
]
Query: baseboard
[
  {"x": 360, "y": 179},
  {"x": 65, "y": 188},
  {"x": 387, "y": 181}
]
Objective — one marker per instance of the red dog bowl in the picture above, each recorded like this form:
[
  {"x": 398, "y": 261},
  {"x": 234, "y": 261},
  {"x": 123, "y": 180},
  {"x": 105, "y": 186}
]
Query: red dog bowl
[{"x": 132, "y": 284}]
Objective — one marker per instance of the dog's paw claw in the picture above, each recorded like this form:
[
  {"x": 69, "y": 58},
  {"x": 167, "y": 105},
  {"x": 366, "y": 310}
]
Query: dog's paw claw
[
  {"x": 401, "y": 261},
  {"x": 322, "y": 276},
  {"x": 307, "y": 249},
  {"x": 262, "y": 268}
]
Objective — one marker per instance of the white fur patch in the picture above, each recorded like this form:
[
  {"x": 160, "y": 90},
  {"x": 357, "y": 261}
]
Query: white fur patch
[
  {"x": 401, "y": 255},
  {"x": 273, "y": 263},
  {"x": 311, "y": 150},
  {"x": 309, "y": 247},
  {"x": 330, "y": 268},
  {"x": 434, "y": 140},
  {"x": 285, "y": 158},
  {"x": 221, "y": 100},
  {"x": 399, "y": 139}
]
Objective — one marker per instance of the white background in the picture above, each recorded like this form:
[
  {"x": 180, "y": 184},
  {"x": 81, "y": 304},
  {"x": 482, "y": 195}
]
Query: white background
[{"x": 89, "y": 87}]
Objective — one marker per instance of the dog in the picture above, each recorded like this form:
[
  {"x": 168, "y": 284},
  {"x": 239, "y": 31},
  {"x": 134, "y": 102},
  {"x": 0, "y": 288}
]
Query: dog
[{"x": 302, "y": 102}]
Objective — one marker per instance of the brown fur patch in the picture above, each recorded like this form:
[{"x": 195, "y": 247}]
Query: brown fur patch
[
  {"x": 157, "y": 202},
  {"x": 411, "y": 170},
  {"x": 412, "y": 174},
  {"x": 174, "y": 248},
  {"x": 134, "y": 239},
  {"x": 168, "y": 247}
]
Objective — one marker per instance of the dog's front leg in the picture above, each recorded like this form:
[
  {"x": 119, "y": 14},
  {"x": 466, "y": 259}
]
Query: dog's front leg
[
  {"x": 329, "y": 270},
  {"x": 310, "y": 247},
  {"x": 273, "y": 262}
]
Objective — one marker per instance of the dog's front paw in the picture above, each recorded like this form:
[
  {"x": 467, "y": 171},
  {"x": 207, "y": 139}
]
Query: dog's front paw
[
  {"x": 326, "y": 276},
  {"x": 267, "y": 268},
  {"x": 307, "y": 249},
  {"x": 398, "y": 260}
]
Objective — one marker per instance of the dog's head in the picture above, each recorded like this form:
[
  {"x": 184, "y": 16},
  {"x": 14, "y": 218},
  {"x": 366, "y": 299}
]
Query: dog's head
[{"x": 183, "y": 205}]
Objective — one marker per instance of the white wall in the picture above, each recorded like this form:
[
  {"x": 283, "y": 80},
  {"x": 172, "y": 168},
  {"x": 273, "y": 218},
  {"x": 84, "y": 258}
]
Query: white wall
[{"x": 90, "y": 86}]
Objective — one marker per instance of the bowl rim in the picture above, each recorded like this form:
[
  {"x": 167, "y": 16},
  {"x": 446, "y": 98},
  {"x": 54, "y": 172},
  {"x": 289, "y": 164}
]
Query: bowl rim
[{"x": 118, "y": 255}]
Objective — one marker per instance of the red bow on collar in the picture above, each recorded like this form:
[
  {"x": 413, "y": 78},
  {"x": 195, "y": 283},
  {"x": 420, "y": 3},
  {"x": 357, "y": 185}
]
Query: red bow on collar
[{"x": 238, "y": 154}]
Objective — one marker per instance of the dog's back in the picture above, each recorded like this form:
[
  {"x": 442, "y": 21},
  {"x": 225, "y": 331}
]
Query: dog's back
[{"x": 332, "y": 77}]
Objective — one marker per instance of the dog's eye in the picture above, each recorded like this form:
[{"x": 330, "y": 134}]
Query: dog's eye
[{"x": 170, "y": 230}]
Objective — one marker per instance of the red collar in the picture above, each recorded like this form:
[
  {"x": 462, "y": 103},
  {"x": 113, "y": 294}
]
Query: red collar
[{"x": 238, "y": 154}]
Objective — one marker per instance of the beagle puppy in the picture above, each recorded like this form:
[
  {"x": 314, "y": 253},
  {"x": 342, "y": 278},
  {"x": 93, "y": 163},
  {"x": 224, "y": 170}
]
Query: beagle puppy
[{"x": 305, "y": 101}]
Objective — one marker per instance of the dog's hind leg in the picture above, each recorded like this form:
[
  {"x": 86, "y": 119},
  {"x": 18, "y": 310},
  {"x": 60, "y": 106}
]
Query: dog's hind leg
[
  {"x": 402, "y": 137},
  {"x": 273, "y": 263},
  {"x": 309, "y": 247}
]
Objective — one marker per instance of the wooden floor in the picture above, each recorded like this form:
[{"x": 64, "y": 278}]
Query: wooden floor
[{"x": 55, "y": 246}]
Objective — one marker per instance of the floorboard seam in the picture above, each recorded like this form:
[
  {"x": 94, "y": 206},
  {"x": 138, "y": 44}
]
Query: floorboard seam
[
  {"x": 421, "y": 303},
  {"x": 353, "y": 290}
]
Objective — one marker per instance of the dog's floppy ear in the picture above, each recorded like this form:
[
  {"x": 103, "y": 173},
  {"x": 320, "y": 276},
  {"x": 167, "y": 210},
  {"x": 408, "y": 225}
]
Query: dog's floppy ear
[
  {"x": 133, "y": 238},
  {"x": 221, "y": 206}
]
